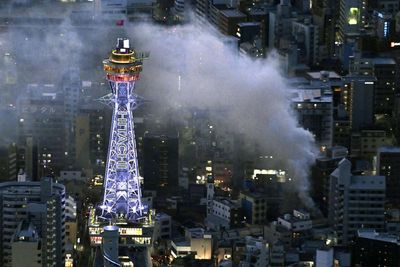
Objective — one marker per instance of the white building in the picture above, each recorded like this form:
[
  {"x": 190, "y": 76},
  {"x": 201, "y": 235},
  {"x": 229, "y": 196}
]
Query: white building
[
  {"x": 298, "y": 222},
  {"x": 196, "y": 242},
  {"x": 226, "y": 214},
  {"x": 355, "y": 202}
]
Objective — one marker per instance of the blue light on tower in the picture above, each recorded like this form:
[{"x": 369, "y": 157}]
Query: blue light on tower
[{"x": 122, "y": 193}]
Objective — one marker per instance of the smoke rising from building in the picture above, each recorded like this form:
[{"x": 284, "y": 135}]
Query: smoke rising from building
[
  {"x": 189, "y": 66},
  {"x": 192, "y": 66}
]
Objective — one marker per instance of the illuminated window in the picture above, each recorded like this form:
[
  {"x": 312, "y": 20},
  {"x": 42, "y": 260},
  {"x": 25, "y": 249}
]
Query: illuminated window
[{"x": 353, "y": 16}]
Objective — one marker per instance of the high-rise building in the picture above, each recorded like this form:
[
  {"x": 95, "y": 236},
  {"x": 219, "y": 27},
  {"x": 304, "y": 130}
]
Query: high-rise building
[
  {"x": 388, "y": 165},
  {"x": 306, "y": 35},
  {"x": 358, "y": 100},
  {"x": 8, "y": 162},
  {"x": 71, "y": 86},
  {"x": 160, "y": 161},
  {"x": 355, "y": 202},
  {"x": 42, "y": 205},
  {"x": 41, "y": 116},
  {"x": 321, "y": 171},
  {"x": 351, "y": 19},
  {"x": 385, "y": 72},
  {"x": 91, "y": 136}
]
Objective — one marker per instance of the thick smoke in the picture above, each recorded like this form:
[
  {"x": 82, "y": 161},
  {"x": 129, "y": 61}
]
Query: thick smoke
[
  {"x": 252, "y": 93},
  {"x": 214, "y": 76}
]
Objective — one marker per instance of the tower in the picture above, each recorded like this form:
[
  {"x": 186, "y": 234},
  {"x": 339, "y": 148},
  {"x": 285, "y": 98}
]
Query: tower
[{"x": 122, "y": 194}]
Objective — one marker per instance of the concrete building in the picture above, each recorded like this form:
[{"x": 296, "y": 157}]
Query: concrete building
[
  {"x": 71, "y": 223},
  {"x": 388, "y": 165},
  {"x": 315, "y": 113},
  {"x": 28, "y": 158},
  {"x": 43, "y": 205},
  {"x": 321, "y": 171},
  {"x": 226, "y": 214},
  {"x": 228, "y": 20},
  {"x": 366, "y": 142},
  {"x": 26, "y": 246},
  {"x": 376, "y": 249},
  {"x": 324, "y": 257},
  {"x": 196, "y": 243},
  {"x": 109, "y": 246},
  {"x": 160, "y": 162},
  {"x": 41, "y": 116},
  {"x": 298, "y": 222},
  {"x": 351, "y": 20},
  {"x": 306, "y": 35},
  {"x": 71, "y": 87},
  {"x": 254, "y": 207},
  {"x": 256, "y": 253},
  {"x": 385, "y": 72},
  {"x": 9, "y": 162},
  {"x": 162, "y": 226},
  {"x": 358, "y": 100},
  {"x": 91, "y": 137},
  {"x": 355, "y": 202}
]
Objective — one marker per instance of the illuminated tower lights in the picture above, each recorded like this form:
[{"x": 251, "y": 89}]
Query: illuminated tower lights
[{"x": 122, "y": 193}]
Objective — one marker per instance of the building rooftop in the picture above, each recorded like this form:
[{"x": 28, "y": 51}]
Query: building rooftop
[
  {"x": 253, "y": 194},
  {"x": 372, "y": 234},
  {"x": 227, "y": 202},
  {"x": 25, "y": 232},
  {"x": 310, "y": 95},
  {"x": 389, "y": 149},
  {"x": 257, "y": 12},
  {"x": 383, "y": 61},
  {"x": 232, "y": 13},
  {"x": 244, "y": 24},
  {"x": 162, "y": 216},
  {"x": 368, "y": 182},
  {"x": 323, "y": 74}
]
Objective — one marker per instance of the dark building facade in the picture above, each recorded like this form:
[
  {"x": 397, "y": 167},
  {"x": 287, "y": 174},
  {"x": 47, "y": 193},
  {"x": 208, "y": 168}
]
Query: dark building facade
[
  {"x": 388, "y": 165},
  {"x": 372, "y": 249},
  {"x": 160, "y": 161}
]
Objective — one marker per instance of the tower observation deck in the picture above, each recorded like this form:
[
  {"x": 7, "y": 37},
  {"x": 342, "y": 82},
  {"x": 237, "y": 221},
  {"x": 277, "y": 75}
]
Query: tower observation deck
[{"x": 122, "y": 193}]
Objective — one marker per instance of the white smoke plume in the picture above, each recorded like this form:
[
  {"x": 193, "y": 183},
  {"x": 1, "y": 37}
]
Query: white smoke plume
[{"x": 214, "y": 76}]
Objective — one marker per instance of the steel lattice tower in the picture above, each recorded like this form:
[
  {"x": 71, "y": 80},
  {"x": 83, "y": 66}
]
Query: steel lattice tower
[{"x": 122, "y": 194}]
